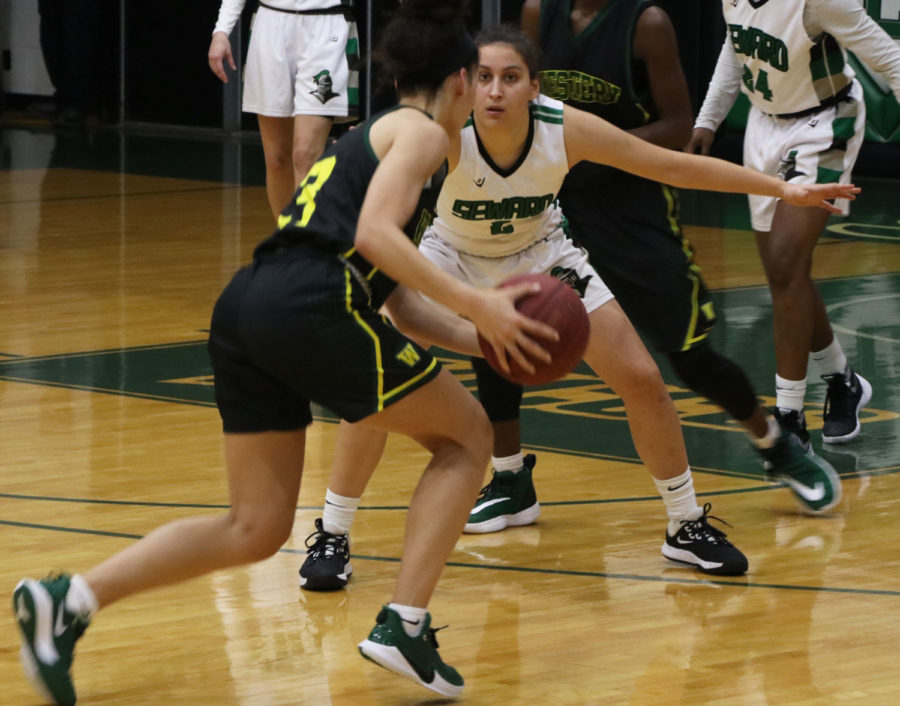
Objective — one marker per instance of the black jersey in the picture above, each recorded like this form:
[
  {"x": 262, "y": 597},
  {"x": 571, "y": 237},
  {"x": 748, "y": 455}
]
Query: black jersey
[
  {"x": 325, "y": 209},
  {"x": 595, "y": 70}
]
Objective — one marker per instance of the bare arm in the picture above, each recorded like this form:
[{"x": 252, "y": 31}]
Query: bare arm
[
  {"x": 411, "y": 147},
  {"x": 591, "y": 138},
  {"x": 530, "y": 20},
  {"x": 655, "y": 44},
  {"x": 423, "y": 320}
]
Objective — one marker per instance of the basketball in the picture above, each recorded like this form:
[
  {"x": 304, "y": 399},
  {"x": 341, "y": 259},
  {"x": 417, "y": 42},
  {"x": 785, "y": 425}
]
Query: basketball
[{"x": 556, "y": 305}]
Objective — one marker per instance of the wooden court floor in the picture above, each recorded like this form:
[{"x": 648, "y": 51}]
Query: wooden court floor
[{"x": 112, "y": 251}]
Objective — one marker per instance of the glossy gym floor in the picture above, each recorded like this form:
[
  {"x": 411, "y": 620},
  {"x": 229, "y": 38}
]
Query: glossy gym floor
[{"x": 113, "y": 248}]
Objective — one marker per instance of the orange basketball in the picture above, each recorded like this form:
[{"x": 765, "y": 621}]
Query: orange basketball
[{"x": 556, "y": 305}]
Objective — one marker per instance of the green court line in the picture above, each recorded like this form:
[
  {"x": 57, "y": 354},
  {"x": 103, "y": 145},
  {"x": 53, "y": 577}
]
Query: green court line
[
  {"x": 892, "y": 470},
  {"x": 107, "y": 391},
  {"x": 104, "y": 351},
  {"x": 524, "y": 569}
]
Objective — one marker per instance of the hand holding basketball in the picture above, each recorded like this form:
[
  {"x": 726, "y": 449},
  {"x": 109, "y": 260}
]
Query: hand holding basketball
[{"x": 558, "y": 306}]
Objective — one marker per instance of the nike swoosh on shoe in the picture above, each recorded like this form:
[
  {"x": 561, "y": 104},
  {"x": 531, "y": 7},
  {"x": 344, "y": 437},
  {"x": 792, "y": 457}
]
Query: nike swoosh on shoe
[{"x": 811, "y": 494}]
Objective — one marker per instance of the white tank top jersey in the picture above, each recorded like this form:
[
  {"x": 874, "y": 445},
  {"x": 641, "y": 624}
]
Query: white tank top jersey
[
  {"x": 487, "y": 211},
  {"x": 784, "y": 71}
]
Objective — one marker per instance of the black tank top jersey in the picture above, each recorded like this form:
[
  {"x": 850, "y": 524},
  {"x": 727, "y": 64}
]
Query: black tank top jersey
[
  {"x": 325, "y": 209},
  {"x": 595, "y": 70}
]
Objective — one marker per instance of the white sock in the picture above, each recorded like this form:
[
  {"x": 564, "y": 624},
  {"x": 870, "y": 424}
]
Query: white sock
[
  {"x": 338, "y": 514},
  {"x": 772, "y": 435},
  {"x": 80, "y": 598},
  {"x": 830, "y": 359},
  {"x": 678, "y": 495},
  {"x": 789, "y": 394},
  {"x": 411, "y": 616},
  {"x": 512, "y": 463}
]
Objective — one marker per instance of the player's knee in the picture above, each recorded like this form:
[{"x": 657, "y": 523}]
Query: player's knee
[
  {"x": 783, "y": 273},
  {"x": 304, "y": 155},
  {"x": 500, "y": 398},
  {"x": 258, "y": 535},
  {"x": 717, "y": 378}
]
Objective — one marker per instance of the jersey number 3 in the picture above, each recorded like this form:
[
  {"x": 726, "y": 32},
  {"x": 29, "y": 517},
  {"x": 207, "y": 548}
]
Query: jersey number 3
[{"x": 309, "y": 187}]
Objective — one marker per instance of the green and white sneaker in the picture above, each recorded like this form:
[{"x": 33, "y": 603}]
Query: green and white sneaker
[
  {"x": 49, "y": 632},
  {"x": 416, "y": 658},
  {"x": 508, "y": 500},
  {"x": 813, "y": 481}
]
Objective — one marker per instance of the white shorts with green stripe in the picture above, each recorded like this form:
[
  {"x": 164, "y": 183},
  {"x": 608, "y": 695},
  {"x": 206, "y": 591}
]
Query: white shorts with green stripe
[{"x": 818, "y": 148}]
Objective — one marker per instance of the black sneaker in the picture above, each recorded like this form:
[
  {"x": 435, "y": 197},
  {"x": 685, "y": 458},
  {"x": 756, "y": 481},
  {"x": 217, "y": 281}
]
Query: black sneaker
[
  {"x": 813, "y": 481},
  {"x": 844, "y": 399},
  {"x": 701, "y": 545},
  {"x": 327, "y": 565},
  {"x": 794, "y": 422}
]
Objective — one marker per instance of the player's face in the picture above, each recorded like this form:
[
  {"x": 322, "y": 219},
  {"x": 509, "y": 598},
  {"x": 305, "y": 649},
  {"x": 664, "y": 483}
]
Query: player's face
[{"x": 503, "y": 86}]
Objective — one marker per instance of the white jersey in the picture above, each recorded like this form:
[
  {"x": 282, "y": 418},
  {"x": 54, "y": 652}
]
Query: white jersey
[
  {"x": 783, "y": 70},
  {"x": 492, "y": 212}
]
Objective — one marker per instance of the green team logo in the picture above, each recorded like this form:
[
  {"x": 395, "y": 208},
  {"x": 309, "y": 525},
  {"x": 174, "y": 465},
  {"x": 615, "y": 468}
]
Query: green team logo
[
  {"x": 505, "y": 210},
  {"x": 754, "y": 43},
  {"x": 580, "y": 87}
]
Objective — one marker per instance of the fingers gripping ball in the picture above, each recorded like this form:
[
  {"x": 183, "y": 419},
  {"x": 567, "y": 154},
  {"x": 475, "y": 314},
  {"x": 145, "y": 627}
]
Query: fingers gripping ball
[{"x": 556, "y": 305}]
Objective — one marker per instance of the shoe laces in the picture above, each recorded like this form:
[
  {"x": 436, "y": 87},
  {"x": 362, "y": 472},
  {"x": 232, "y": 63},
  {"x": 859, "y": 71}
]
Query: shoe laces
[
  {"x": 496, "y": 486},
  {"x": 701, "y": 530},
  {"x": 430, "y": 636},
  {"x": 322, "y": 543},
  {"x": 838, "y": 397}
]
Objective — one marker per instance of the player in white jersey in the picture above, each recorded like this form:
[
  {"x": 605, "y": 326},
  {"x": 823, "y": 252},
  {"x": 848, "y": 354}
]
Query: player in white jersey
[
  {"x": 806, "y": 125},
  {"x": 496, "y": 217},
  {"x": 302, "y": 74}
]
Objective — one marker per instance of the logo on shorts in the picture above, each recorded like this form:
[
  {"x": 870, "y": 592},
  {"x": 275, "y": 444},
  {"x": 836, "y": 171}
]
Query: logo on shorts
[
  {"x": 323, "y": 86},
  {"x": 568, "y": 276},
  {"x": 408, "y": 355},
  {"x": 787, "y": 169}
]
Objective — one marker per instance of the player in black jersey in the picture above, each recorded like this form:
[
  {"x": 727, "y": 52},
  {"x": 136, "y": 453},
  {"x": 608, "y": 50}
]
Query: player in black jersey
[
  {"x": 505, "y": 124},
  {"x": 300, "y": 323},
  {"x": 619, "y": 60}
]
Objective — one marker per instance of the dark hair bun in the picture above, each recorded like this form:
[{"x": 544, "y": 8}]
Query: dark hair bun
[{"x": 420, "y": 40}]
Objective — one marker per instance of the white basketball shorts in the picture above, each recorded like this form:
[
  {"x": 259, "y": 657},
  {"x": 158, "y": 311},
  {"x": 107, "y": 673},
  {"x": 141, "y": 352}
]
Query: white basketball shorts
[
  {"x": 302, "y": 65},
  {"x": 555, "y": 255},
  {"x": 819, "y": 148}
]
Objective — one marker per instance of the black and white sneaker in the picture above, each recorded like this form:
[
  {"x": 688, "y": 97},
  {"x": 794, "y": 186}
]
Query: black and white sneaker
[
  {"x": 327, "y": 565},
  {"x": 845, "y": 397},
  {"x": 701, "y": 545}
]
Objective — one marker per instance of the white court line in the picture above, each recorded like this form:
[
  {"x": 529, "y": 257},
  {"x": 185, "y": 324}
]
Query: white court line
[{"x": 854, "y": 332}]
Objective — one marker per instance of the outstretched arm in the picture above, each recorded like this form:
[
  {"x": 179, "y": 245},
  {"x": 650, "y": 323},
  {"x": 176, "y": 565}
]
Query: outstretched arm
[{"x": 591, "y": 138}]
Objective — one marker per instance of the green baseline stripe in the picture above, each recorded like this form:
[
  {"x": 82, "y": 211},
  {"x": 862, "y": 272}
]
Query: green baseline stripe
[{"x": 526, "y": 569}]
